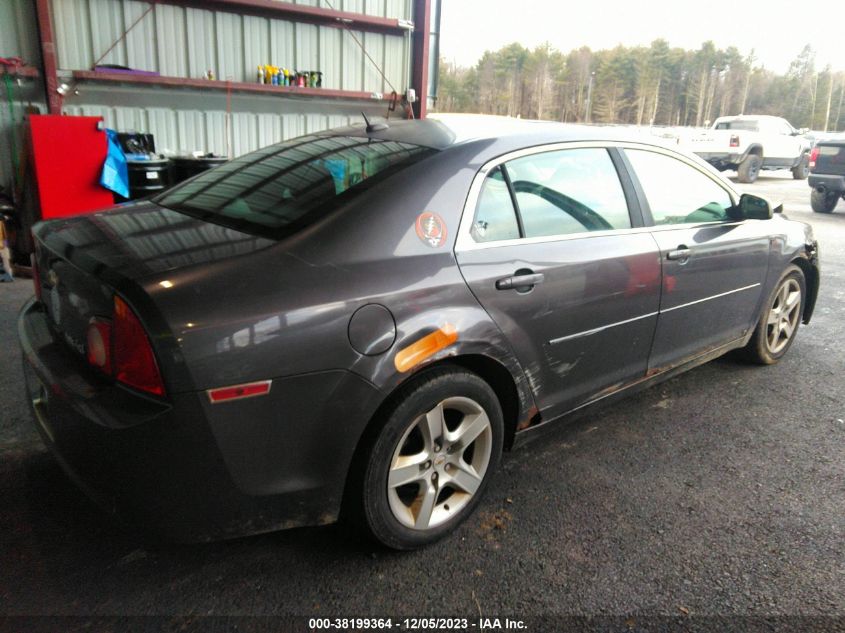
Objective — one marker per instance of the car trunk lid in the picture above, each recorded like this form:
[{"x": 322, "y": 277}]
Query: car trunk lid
[{"x": 82, "y": 262}]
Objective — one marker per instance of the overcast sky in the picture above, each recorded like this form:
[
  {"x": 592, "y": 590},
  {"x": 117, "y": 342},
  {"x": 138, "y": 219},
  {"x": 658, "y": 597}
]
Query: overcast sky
[{"x": 777, "y": 30}]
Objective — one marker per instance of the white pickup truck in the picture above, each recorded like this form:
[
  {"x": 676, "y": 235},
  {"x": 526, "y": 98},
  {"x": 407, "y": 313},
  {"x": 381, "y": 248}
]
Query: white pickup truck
[{"x": 749, "y": 143}]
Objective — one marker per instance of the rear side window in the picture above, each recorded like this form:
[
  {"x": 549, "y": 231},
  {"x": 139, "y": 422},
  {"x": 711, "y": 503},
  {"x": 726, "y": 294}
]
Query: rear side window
[
  {"x": 495, "y": 217},
  {"x": 678, "y": 193},
  {"x": 568, "y": 191},
  {"x": 282, "y": 188},
  {"x": 561, "y": 192}
]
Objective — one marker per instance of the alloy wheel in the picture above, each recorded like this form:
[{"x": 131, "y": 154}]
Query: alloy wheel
[
  {"x": 783, "y": 316},
  {"x": 439, "y": 463}
]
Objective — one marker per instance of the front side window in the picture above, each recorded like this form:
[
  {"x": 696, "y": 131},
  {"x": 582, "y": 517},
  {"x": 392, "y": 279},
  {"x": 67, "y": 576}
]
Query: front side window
[
  {"x": 676, "y": 192},
  {"x": 568, "y": 191},
  {"x": 281, "y": 188}
]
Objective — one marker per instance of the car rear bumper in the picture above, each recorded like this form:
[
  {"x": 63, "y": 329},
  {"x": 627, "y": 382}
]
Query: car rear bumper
[
  {"x": 189, "y": 470},
  {"x": 827, "y": 182}
]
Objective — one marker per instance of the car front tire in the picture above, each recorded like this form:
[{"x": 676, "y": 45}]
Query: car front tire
[
  {"x": 823, "y": 202},
  {"x": 429, "y": 464},
  {"x": 778, "y": 324}
]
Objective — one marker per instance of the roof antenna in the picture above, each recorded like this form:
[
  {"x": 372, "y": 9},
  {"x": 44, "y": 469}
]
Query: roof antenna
[{"x": 374, "y": 127}]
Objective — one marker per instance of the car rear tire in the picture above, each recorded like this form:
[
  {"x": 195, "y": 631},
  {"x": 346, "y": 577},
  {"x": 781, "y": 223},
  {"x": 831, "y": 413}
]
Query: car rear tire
[
  {"x": 428, "y": 465},
  {"x": 749, "y": 169},
  {"x": 823, "y": 202},
  {"x": 778, "y": 324},
  {"x": 802, "y": 169}
]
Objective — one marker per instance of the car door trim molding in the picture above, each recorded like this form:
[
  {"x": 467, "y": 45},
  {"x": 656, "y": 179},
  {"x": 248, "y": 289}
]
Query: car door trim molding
[
  {"x": 721, "y": 294},
  {"x": 465, "y": 242},
  {"x": 596, "y": 330},
  {"x": 601, "y": 328}
]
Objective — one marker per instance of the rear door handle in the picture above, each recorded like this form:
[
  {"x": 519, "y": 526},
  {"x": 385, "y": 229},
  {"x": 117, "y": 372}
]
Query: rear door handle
[
  {"x": 681, "y": 253},
  {"x": 518, "y": 282}
]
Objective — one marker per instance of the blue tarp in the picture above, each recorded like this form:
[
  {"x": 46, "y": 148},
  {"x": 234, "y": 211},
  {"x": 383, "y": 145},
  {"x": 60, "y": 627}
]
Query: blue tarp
[{"x": 115, "y": 175}]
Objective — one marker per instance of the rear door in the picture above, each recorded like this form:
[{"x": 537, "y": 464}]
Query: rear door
[
  {"x": 551, "y": 248},
  {"x": 714, "y": 266}
]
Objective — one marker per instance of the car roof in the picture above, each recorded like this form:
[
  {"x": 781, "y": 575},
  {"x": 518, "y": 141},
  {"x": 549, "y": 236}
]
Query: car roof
[{"x": 442, "y": 131}]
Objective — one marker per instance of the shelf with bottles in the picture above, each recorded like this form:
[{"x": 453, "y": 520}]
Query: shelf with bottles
[{"x": 236, "y": 86}]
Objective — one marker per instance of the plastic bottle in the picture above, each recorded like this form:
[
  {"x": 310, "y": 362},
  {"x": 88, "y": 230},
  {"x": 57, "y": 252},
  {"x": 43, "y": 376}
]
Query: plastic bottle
[{"x": 260, "y": 74}]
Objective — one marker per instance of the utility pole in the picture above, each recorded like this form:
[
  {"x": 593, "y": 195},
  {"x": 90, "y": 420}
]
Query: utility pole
[{"x": 590, "y": 95}]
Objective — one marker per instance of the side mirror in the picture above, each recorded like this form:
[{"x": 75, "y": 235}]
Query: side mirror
[{"x": 755, "y": 208}]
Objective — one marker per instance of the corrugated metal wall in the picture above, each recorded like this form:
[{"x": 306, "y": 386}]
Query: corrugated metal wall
[
  {"x": 184, "y": 131},
  {"x": 18, "y": 31},
  {"x": 185, "y": 42},
  {"x": 18, "y": 38}
]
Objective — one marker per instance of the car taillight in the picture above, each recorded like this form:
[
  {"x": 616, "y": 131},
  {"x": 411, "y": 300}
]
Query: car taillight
[
  {"x": 813, "y": 156},
  {"x": 36, "y": 276},
  {"x": 734, "y": 140},
  {"x": 132, "y": 354}
]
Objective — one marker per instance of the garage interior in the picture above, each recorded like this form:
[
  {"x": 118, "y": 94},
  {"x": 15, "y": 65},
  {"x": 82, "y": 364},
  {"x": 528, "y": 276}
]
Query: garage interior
[{"x": 188, "y": 85}]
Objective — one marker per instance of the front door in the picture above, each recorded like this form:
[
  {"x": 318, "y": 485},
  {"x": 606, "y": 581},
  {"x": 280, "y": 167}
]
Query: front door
[
  {"x": 554, "y": 257},
  {"x": 714, "y": 266}
]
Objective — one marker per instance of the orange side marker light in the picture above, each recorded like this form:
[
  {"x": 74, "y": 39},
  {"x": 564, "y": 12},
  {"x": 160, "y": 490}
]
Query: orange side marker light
[{"x": 411, "y": 356}]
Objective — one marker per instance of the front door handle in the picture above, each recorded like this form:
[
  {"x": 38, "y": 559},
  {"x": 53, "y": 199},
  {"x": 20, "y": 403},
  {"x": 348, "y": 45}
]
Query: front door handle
[
  {"x": 520, "y": 282},
  {"x": 681, "y": 253}
]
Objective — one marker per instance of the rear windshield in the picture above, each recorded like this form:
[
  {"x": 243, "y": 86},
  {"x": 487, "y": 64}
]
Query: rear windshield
[
  {"x": 282, "y": 188},
  {"x": 748, "y": 126}
]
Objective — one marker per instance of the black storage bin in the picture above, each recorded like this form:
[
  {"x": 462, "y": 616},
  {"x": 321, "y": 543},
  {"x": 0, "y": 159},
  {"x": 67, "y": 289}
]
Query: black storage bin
[
  {"x": 185, "y": 167},
  {"x": 148, "y": 177}
]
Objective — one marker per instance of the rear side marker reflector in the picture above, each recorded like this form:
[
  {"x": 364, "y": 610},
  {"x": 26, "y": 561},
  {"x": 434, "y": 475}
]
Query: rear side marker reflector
[
  {"x": 411, "y": 356},
  {"x": 98, "y": 345},
  {"x": 238, "y": 392}
]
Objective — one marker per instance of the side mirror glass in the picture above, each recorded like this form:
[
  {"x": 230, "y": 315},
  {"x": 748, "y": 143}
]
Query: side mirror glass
[{"x": 754, "y": 207}]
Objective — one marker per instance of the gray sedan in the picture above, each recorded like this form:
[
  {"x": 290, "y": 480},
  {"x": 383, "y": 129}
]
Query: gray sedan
[{"x": 358, "y": 322}]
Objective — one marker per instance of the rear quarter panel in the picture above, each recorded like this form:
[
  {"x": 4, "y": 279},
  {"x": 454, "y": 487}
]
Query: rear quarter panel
[{"x": 286, "y": 310}]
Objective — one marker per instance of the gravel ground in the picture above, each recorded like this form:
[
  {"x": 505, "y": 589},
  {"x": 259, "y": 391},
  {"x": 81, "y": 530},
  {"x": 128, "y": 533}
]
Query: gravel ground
[{"x": 720, "y": 492}]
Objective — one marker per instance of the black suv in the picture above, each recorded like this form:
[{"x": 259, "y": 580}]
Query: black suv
[{"x": 827, "y": 175}]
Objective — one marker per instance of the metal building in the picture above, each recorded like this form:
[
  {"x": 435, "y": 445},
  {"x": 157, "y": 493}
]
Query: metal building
[{"x": 370, "y": 53}]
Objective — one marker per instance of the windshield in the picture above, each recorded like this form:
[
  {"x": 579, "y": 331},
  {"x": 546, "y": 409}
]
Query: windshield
[{"x": 280, "y": 189}]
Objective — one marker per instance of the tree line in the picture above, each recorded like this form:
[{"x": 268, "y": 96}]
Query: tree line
[{"x": 654, "y": 85}]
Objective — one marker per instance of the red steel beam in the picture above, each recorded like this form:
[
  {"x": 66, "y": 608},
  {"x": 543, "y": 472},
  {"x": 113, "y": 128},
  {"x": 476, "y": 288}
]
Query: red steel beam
[
  {"x": 419, "y": 72},
  {"x": 297, "y": 13},
  {"x": 48, "y": 56}
]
